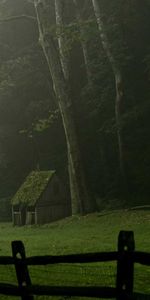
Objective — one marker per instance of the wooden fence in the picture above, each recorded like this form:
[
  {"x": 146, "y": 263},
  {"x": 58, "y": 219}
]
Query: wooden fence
[{"x": 125, "y": 257}]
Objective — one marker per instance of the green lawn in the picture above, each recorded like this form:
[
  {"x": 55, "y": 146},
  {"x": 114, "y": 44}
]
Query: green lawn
[{"x": 92, "y": 233}]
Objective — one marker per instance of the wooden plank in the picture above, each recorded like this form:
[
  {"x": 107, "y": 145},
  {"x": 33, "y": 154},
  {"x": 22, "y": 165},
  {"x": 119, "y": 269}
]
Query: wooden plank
[
  {"x": 22, "y": 273},
  {"x": 43, "y": 290},
  {"x": 73, "y": 258},
  {"x": 137, "y": 257},
  {"x": 142, "y": 258},
  {"x": 92, "y": 292},
  {"x": 125, "y": 265}
]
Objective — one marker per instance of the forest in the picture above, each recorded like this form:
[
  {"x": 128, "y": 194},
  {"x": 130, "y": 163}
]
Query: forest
[{"x": 75, "y": 98}]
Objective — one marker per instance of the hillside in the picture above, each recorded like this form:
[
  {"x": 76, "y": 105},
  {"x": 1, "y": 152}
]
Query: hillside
[{"x": 94, "y": 232}]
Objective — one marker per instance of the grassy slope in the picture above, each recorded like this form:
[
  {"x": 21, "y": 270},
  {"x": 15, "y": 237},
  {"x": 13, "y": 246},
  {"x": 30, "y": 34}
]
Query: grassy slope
[{"x": 96, "y": 232}]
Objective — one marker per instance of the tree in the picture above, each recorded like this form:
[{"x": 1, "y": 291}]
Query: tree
[
  {"x": 83, "y": 39},
  {"x": 80, "y": 201},
  {"x": 118, "y": 84}
]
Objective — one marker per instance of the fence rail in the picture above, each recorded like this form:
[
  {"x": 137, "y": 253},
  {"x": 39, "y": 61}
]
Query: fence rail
[
  {"x": 137, "y": 257},
  {"x": 125, "y": 257}
]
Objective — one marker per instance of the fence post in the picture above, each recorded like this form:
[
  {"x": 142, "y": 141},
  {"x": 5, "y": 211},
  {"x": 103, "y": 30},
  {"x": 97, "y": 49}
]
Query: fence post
[
  {"x": 125, "y": 265},
  {"x": 22, "y": 273}
]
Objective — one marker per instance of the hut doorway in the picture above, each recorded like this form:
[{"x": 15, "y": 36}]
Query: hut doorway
[{"x": 23, "y": 215}]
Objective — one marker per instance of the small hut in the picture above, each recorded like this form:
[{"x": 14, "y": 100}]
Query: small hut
[{"x": 40, "y": 199}]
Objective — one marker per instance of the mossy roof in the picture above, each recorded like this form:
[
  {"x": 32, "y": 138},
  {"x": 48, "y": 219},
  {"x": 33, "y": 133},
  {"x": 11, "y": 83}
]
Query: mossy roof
[{"x": 32, "y": 188}]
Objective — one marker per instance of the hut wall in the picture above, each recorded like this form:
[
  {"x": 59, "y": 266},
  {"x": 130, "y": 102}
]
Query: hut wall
[
  {"x": 51, "y": 213},
  {"x": 17, "y": 218},
  {"x": 53, "y": 204},
  {"x": 30, "y": 218}
]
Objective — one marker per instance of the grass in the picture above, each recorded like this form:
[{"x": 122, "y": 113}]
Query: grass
[{"x": 91, "y": 233}]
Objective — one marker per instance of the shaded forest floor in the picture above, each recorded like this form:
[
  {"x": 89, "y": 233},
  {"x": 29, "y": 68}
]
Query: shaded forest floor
[{"x": 91, "y": 233}]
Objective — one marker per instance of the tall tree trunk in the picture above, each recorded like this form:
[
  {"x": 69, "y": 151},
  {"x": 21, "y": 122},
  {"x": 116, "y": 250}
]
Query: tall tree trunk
[
  {"x": 118, "y": 84},
  {"x": 64, "y": 56},
  {"x": 64, "y": 59},
  {"x": 84, "y": 43},
  {"x": 80, "y": 203}
]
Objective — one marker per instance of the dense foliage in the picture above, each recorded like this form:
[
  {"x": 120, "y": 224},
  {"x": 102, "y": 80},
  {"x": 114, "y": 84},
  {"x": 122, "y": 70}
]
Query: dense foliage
[{"x": 31, "y": 131}]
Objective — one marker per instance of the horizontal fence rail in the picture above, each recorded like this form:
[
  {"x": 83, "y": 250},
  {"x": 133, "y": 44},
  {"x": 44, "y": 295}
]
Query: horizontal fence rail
[
  {"x": 125, "y": 257},
  {"x": 140, "y": 257},
  {"x": 137, "y": 257}
]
